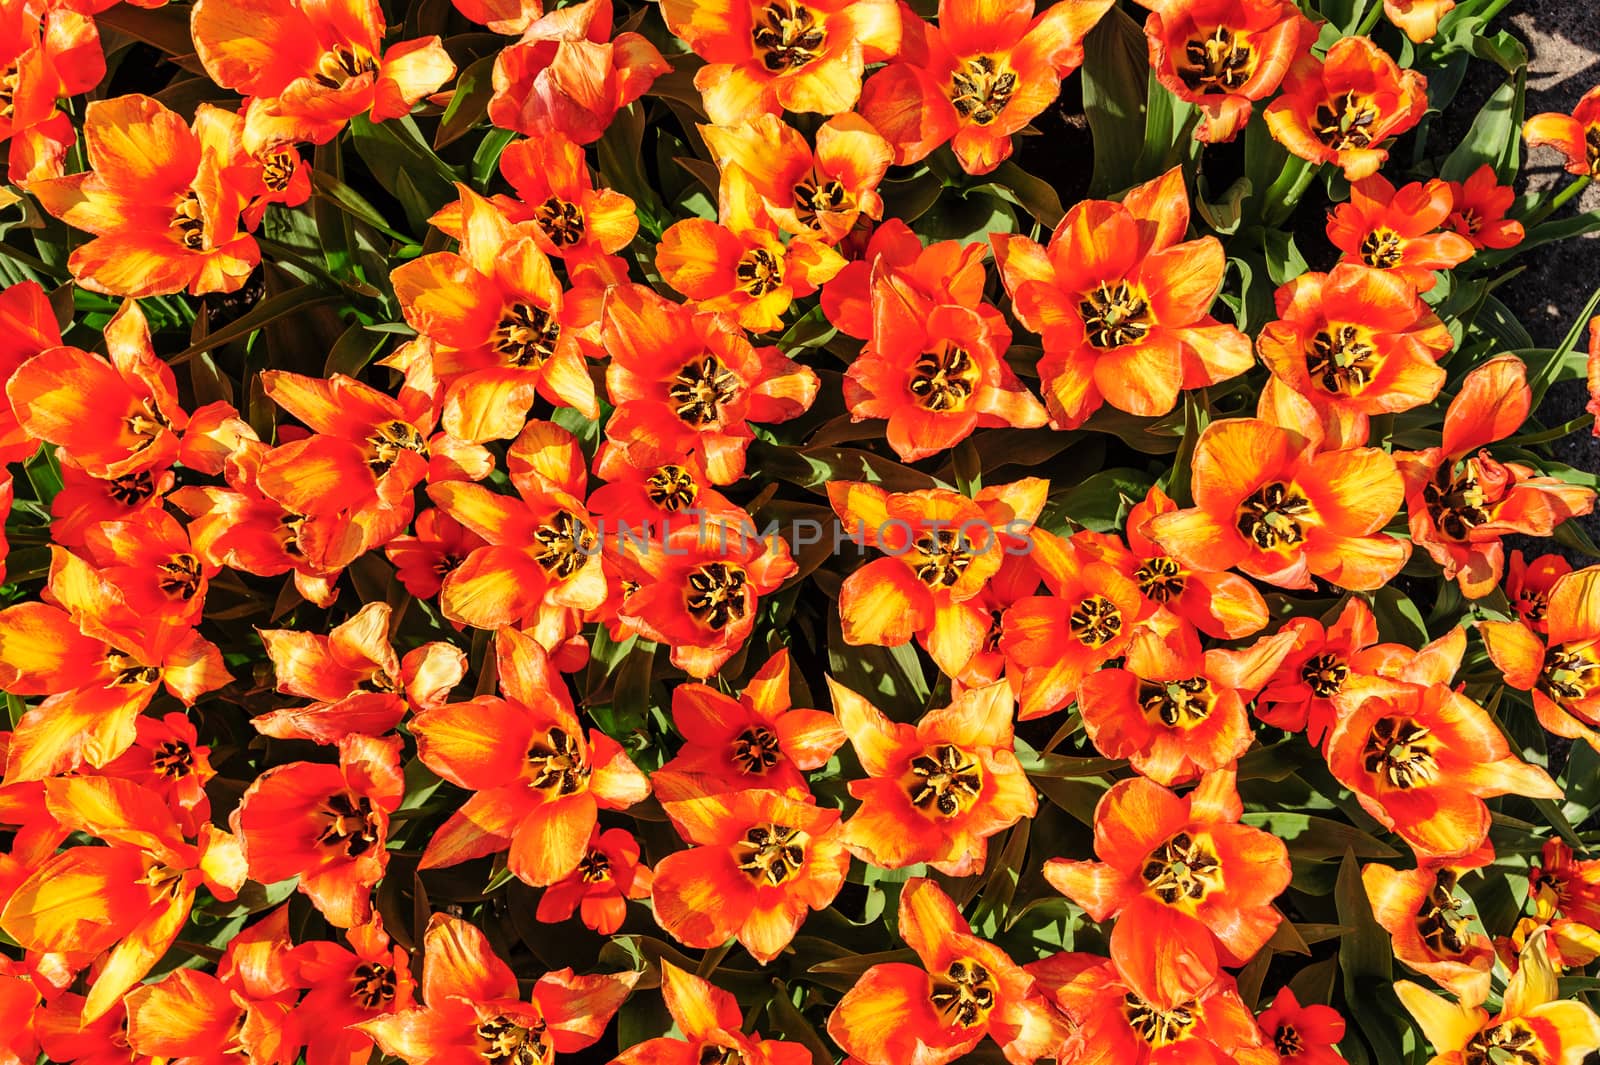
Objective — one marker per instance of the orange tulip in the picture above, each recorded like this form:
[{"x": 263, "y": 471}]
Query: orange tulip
[
  {"x": 473, "y": 1010},
  {"x": 712, "y": 1026},
  {"x": 1121, "y": 303},
  {"x": 1528, "y": 586},
  {"x": 1220, "y": 604},
  {"x": 1562, "y": 669},
  {"x": 346, "y": 987},
  {"x": 28, "y": 327},
  {"x": 328, "y": 825},
  {"x": 942, "y": 548},
  {"x": 1575, "y": 136},
  {"x": 569, "y": 75},
  {"x": 98, "y": 663},
  {"x": 785, "y": 55},
  {"x": 1478, "y": 211},
  {"x": 164, "y": 216},
  {"x": 48, "y": 53},
  {"x": 755, "y": 741},
  {"x": 1339, "y": 110},
  {"x": 537, "y": 783},
  {"x": 436, "y": 547},
  {"x": 958, "y": 379},
  {"x": 22, "y": 1014},
  {"x": 246, "y": 1010},
  {"x": 937, "y": 790},
  {"x": 167, "y": 758},
  {"x": 944, "y": 272},
  {"x": 1182, "y": 877},
  {"x": 1204, "y": 1021},
  {"x": 1223, "y": 55},
  {"x": 311, "y": 70},
  {"x": 1460, "y": 504},
  {"x": 1052, "y": 642},
  {"x": 606, "y": 878},
  {"x": 130, "y": 897},
  {"x": 152, "y": 566},
  {"x": 1355, "y": 343},
  {"x": 739, "y": 265},
  {"x": 64, "y": 1036},
  {"x": 965, "y": 988},
  {"x": 359, "y": 684},
  {"x": 1270, "y": 503},
  {"x": 503, "y": 330},
  {"x": 1418, "y": 19},
  {"x": 1566, "y": 893},
  {"x": 687, "y": 381},
  {"x": 542, "y": 549},
  {"x": 112, "y": 417},
  {"x": 1429, "y": 927},
  {"x": 1421, "y": 758},
  {"x": 979, "y": 76},
  {"x": 1535, "y": 1023},
  {"x": 1302, "y": 1035},
  {"x": 1299, "y": 697},
  {"x": 1401, "y": 231},
  {"x": 759, "y": 860},
  {"x": 698, "y": 588}
]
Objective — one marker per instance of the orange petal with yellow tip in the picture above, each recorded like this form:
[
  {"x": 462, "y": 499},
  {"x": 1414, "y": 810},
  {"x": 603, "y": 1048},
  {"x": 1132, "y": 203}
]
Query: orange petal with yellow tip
[
  {"x": 876, "y": 739},
  {"x": 457, "y": 961}
]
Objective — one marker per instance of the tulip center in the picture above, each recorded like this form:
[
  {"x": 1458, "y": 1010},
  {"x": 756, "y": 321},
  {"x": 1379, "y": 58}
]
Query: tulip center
[
  {"x": 1157, "y": 1027},
  {"x": 526, "y": 336},
  {"x": 717, "y": 594},
  {"x": 945, "y": 556},
  {"x": 1182, "y": 868},
  {"x": 758, "y": 272},
  {"x": 1382, "y": 249},
  {"x": 1591, "y": 144},
  {"x": 161, "y": 878},
  {"x": 179, "y": 576},
  {"x": 980, "y": 88},
  {"x": 1443, "y": 926},
  {"x": 188, "y": 222},
  {"x": 277, "y": 167},
  {"x": 1161, "y": 579},
  {"x": 388, "y": 441},
  {"x": 1221, "y": 61},
  {"x": 1095, "y": 621},
  {"x": 717, "y": 1054},
  {"x": 1325, "y": 675},
  {"x": 755, "y": 750},
  {"x": 1286, "y": 1040},
  {"x": 172, "y": 759},
  {"x": 10, "y": 81},
  {"x": 289, "y": 534},
  {"x": 1271, "y": 517},
  {"x": 561, "y": 220},
  {"x": 131, "y": 489},
  {"x": 943, "y": 380},
  {"x": 503, "y": 1041},
  {"x": 944, "y": 780},
  {"x": 1345, "y": 121},
  {"x": 372, "y": 985},
  {"x": 1400, "y": 751},
  {"x": 814, "y": 197},
  {"x": 771, "y": 854},
  {"x": 1569, "y": 675},
  {"x": 594, "y": 868},
  {"x": 671, "y": 488},
  {"x": 787, "y": 36},
  {"x": 563, "y": 545},
  {"x": 997, "y": 629},
  {"x": 558, "y": 764},
  {"x": 964, "y": 995},
  {"x": 701, "y": 389},
  {"x": 350, "y": 824},
  {"x": 1533, "y": 605},
  {"x": 339, "y": 65},
  {"x": 1456, "y": 500},
  {"x": 1340, "y": 360},
  {"x": 1512, "y": 1042},
  {"x": 146, "y": 424},
  {"x": 1177, "y": 703},
  {"x": 127, "y": 673},
  {"x": 1115, "y": 314}
]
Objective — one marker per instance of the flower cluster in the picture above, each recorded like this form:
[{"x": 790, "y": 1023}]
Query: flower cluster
[{"x": 416, "y": 647}]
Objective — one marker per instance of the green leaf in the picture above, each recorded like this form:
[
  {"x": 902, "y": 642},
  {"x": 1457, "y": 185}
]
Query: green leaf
[
  {"x": 1367, "y": 962},
  {"x": 469, "y": 104},
  {"x": 1116, "y": 69},
  {"x": 1495, "y": 138},
  {"x": 267, "y": 312},
  {"x": 1309, "y": 836}
]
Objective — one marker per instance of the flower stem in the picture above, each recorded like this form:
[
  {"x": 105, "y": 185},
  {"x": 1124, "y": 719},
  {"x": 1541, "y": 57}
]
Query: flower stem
[{"x": 1558, "y": 201}]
